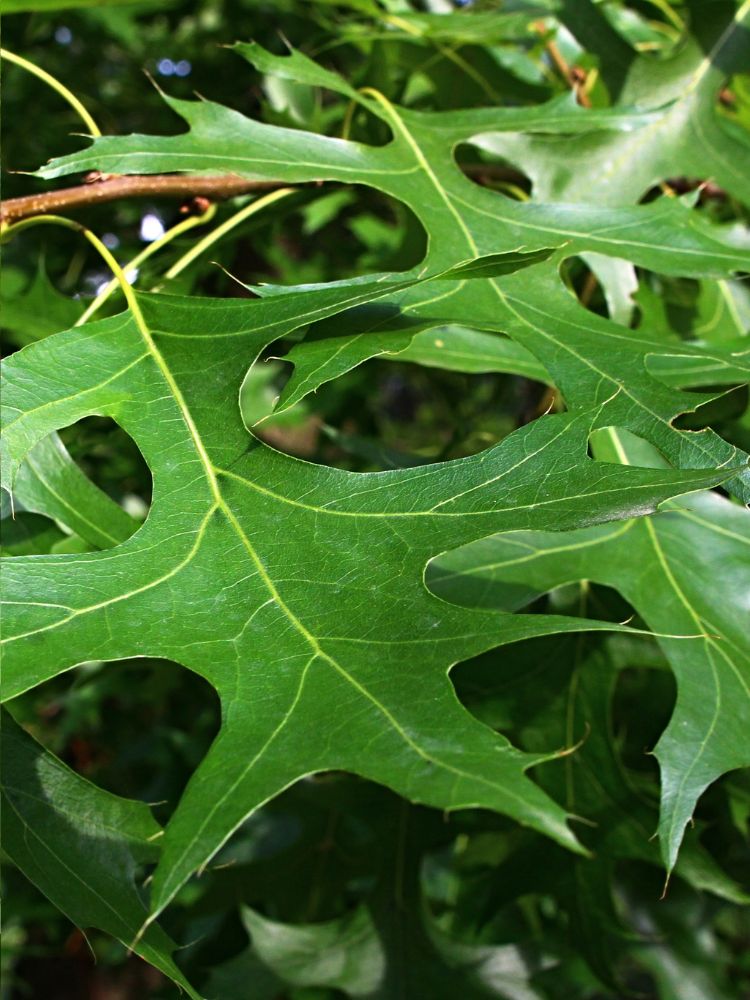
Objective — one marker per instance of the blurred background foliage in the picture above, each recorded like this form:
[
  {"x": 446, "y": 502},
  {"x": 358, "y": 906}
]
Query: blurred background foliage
[{"x": 467, "y": 904}]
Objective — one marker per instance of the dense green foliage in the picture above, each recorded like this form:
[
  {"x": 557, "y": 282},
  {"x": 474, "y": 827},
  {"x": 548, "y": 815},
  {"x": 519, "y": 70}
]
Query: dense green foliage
[{"x": 376, "y": 602}]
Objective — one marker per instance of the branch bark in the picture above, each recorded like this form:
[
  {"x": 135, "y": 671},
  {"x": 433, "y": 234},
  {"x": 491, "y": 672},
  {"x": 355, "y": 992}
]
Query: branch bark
[{"x": 103, "y": 188}]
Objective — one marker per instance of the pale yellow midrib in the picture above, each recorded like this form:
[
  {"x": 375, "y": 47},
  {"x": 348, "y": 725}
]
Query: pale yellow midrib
[
  {"x": 710, "y": 642},
  {"x": 447, "y": 200},
  {"x": 318, "y": 651},
  {"x": 706, "y": 63},
  {"x": 424, "y": 164},
  {"x": 222, "y": 505},
  {"x": 219, "y": 501}
]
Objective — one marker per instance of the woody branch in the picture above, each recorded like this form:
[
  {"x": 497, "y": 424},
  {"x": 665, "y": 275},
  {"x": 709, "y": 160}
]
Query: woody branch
[{"x": 103, "y": 188}]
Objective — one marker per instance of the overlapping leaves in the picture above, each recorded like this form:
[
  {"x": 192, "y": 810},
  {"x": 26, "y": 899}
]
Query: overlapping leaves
[
  {"x": 297, "y": 590},
  {"x": 463, "y": 220},
  {"x": 660, "y": 565}
]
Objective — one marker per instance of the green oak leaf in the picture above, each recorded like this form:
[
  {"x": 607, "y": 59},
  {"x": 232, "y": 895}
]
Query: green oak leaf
[
  {"x": 49, "y": 482},
  {"x": 81, "y": 846},
  {"x": 722, "y": 311},
  {"x": 465, "y": 221},
  {"x": 29, "y": 534},
  {"x": 635, "y": 374},
  {"x": 296, "y": 590},
  {"x": 33, "y": 310},
  {"x": 332, "y": 348},
  {"x": 684, "y": 137},
  {"x": 460, "y": 349},
  {"x": 661, "y": 566}
]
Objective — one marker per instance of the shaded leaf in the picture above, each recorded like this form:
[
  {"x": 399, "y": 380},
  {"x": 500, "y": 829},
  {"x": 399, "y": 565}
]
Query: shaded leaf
[
  {"x": 83, "y": 847},
  {"x": 660, "y": 565}
]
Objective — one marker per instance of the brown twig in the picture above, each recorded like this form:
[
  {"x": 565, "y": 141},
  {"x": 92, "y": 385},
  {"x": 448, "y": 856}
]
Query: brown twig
[
  {"x": 104, "y": 187},
  {"x": 575, "y": 76},
  {"x": 100, "y": 188}
]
